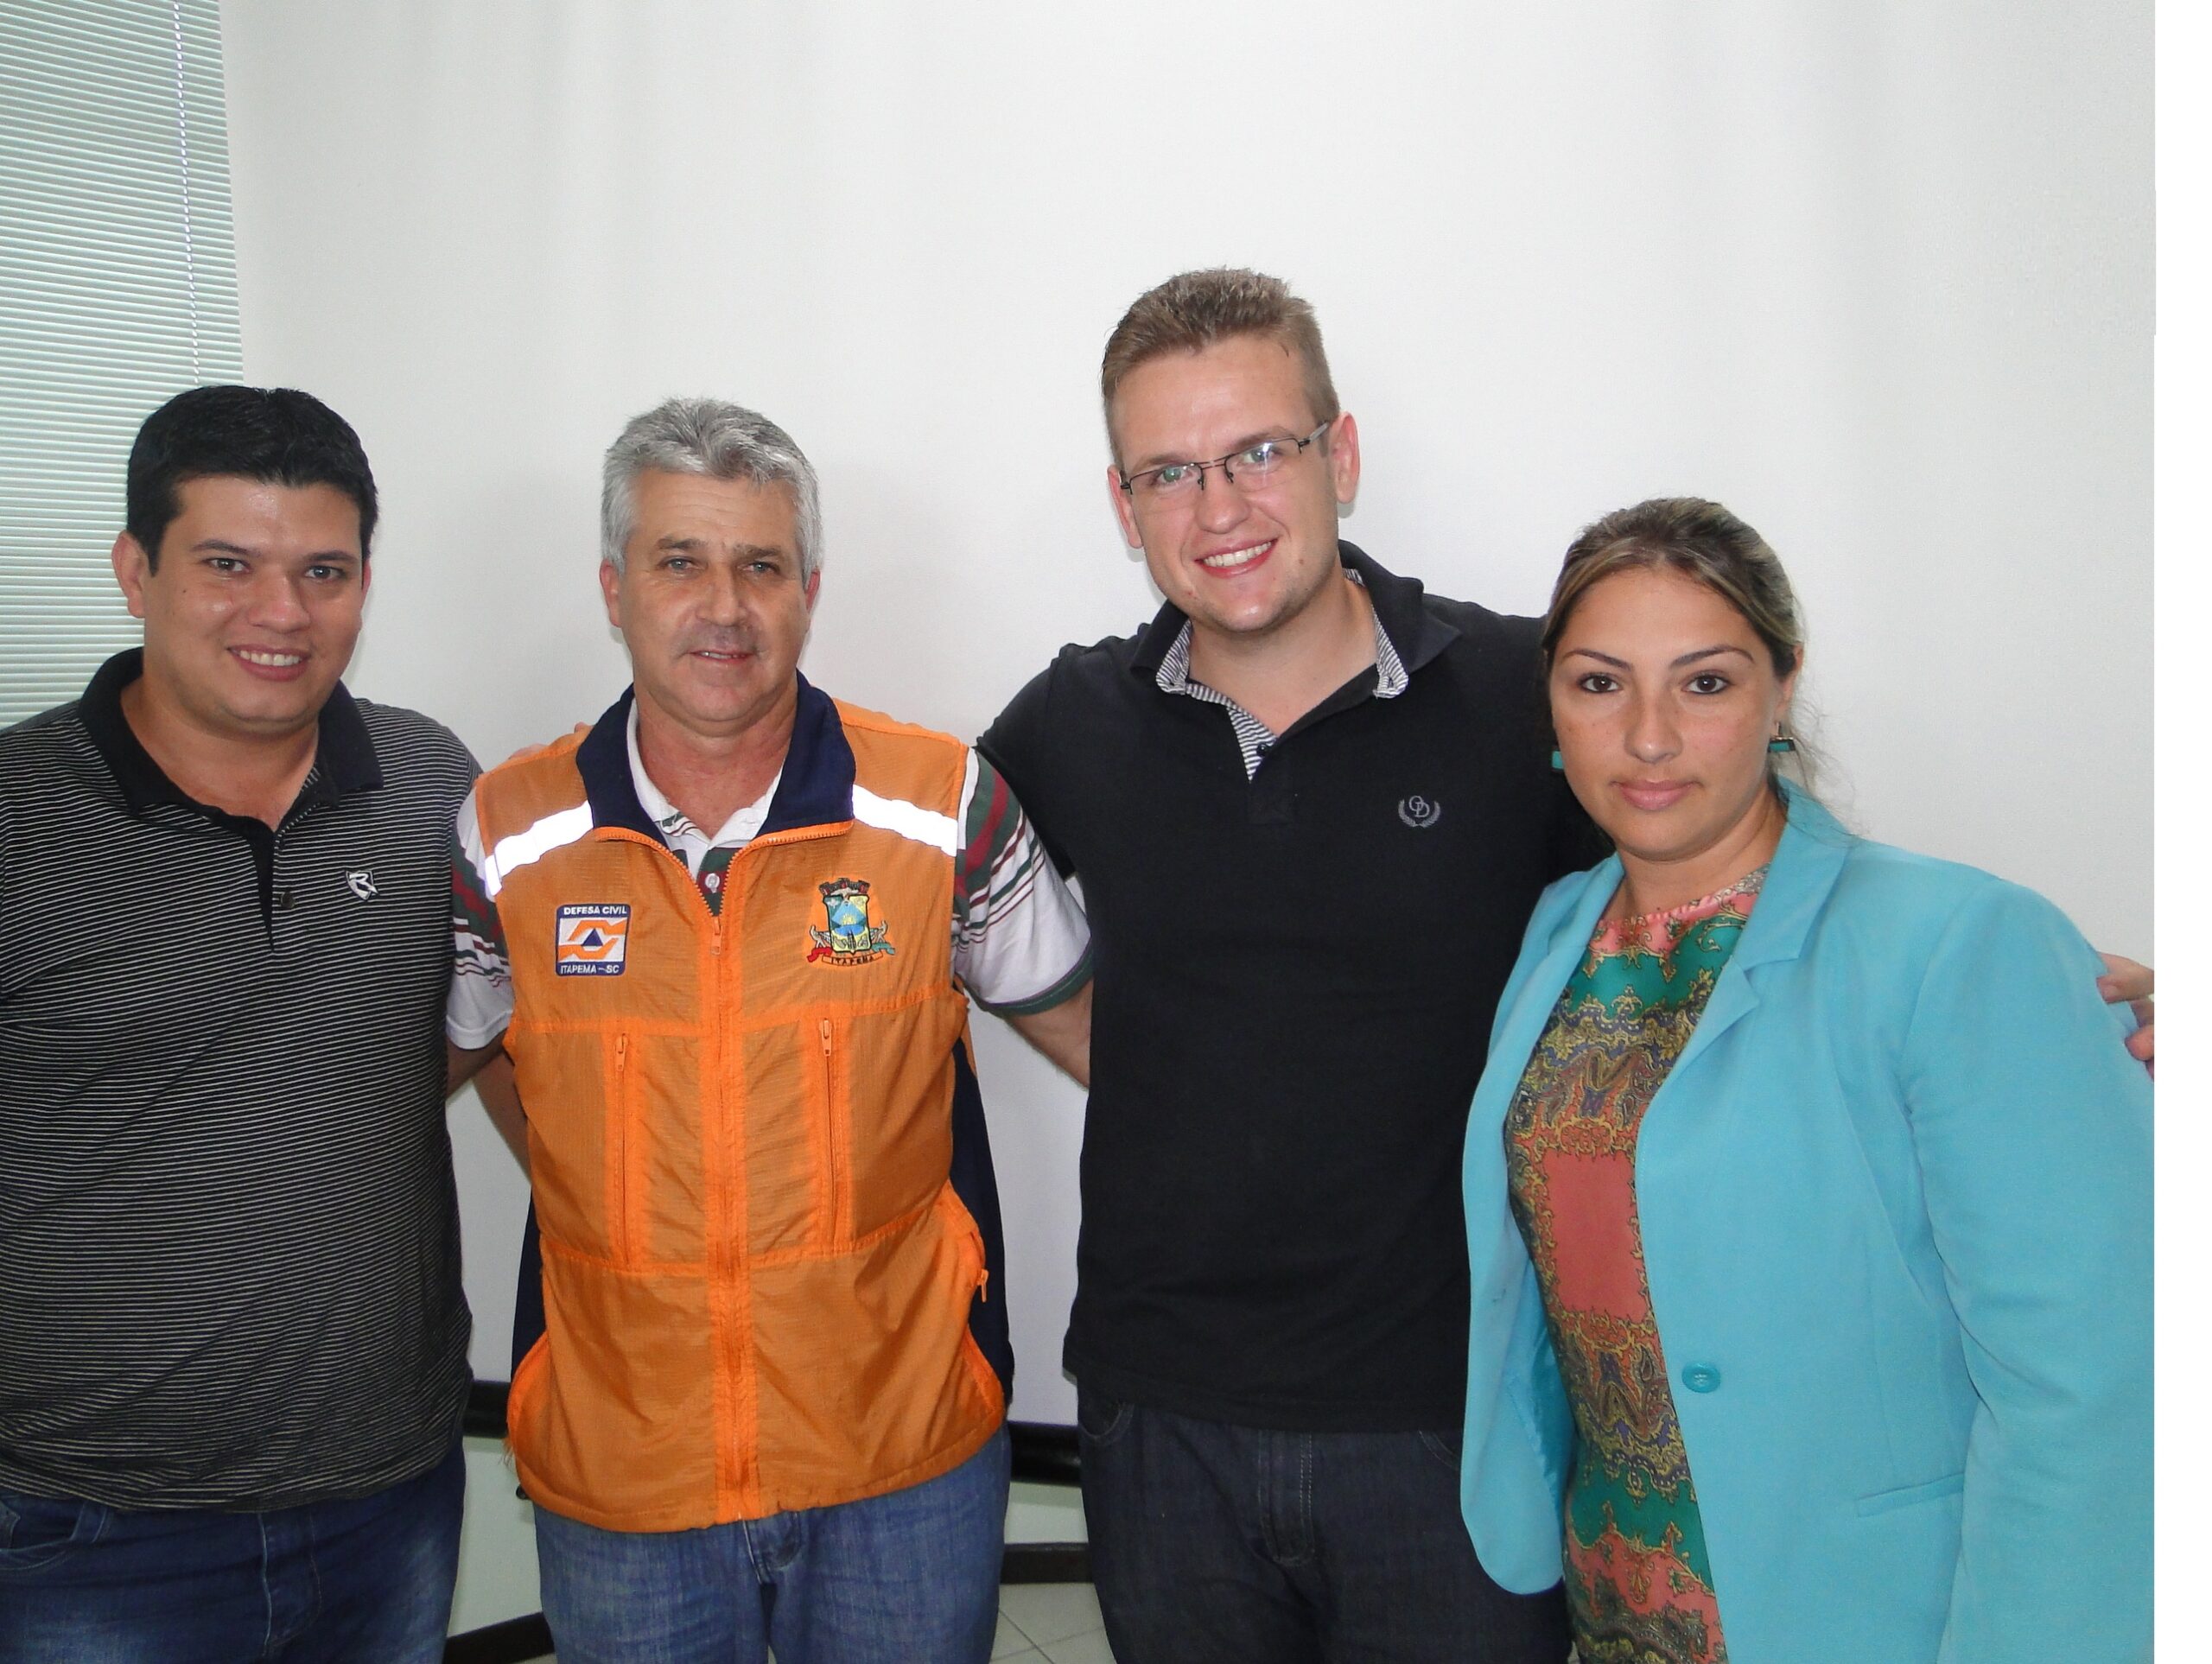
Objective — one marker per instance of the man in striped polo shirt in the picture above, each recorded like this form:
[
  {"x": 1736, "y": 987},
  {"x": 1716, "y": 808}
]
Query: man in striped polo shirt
[
  {"x": 233, "y": 1348},
  {"x": 729, "y": 934}
]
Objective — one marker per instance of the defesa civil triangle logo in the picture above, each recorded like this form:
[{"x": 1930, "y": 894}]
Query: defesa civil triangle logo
[{"x": 590, "y": 937}]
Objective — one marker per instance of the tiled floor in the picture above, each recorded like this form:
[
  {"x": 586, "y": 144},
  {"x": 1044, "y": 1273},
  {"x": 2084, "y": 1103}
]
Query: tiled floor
[{"x": 1050, "y": 1624}]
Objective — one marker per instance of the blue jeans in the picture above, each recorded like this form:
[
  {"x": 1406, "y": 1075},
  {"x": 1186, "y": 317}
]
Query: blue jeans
[
  {"x": 909, "y": 1578},
  {"x": 1214, "y": 1544},
  {"x": 369, "y": 1580}
]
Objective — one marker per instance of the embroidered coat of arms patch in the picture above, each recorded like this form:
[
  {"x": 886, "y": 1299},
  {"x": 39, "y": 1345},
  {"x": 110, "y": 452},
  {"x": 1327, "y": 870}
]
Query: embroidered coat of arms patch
[{"x": 853, "y": 937}]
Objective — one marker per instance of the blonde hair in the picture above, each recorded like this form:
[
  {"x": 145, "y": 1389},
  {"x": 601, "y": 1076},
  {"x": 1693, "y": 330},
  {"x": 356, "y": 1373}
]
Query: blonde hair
[{"x": 1193, "y": 310}]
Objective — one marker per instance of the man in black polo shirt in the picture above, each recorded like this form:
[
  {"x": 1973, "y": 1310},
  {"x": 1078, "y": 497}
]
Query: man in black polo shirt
[
  {"x": 1311, "y": 810},
  {"x": 233, "y": 1348}
]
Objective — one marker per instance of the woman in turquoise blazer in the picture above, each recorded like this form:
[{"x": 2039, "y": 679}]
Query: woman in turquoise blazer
[{"x": 1891, "y": 1196}]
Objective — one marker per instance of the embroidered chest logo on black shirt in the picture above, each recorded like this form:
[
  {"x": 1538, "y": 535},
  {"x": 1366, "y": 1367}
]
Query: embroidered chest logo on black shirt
[
  {"x": 1419, "y": 811},
  {"x": 853, "y": 937}
]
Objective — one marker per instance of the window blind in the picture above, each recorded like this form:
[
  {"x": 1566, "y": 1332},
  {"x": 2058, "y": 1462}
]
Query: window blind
[{"x": 117, "y": 288}]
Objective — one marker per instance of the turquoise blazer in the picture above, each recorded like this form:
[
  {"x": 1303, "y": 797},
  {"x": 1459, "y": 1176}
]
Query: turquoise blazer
[{"x": 1895, "y": 1209}]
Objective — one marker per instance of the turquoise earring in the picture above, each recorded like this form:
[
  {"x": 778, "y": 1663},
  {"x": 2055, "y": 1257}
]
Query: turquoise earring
[
  {"x": 1559, "y": 762},
  {"x": 1780, "y": 742}
]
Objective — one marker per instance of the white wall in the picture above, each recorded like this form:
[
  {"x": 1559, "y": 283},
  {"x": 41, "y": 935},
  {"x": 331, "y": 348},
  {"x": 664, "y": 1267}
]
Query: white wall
[{"x": 1875, "y": 275}]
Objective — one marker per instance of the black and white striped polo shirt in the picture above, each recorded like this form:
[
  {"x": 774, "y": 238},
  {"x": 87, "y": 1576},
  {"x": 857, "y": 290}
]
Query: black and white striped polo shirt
[{"x": 230, "y": 1255}]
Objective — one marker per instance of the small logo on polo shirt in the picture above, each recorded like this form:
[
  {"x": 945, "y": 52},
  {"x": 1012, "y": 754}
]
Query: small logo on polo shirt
[
  {"x": 363, "y": 885},
  {"x": 589, "y": 938},
  {"x": 852, "y": 937},
  {"x": 1419, "y": 811}
]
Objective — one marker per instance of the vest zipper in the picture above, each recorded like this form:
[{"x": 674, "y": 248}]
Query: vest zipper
[
  {"x": 619, "y": 1113},
  {"x": 838, "y": 1225}
]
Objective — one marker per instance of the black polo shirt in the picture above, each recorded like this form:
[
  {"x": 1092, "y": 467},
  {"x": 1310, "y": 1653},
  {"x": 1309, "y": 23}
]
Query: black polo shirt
[
  {"x": 1294, "y": 979},
  {"x": 230, "y": 1263}
]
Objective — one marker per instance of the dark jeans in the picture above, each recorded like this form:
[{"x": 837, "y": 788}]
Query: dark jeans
[
  {"x": 911, "y": 1577},
  {"x": 1214, "y": 1544},
  {"x": 368, "y": 1581}
]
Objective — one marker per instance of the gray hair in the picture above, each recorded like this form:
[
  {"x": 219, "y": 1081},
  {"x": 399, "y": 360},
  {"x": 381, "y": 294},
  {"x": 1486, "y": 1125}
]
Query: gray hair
[{"x": 714, "y": 437}]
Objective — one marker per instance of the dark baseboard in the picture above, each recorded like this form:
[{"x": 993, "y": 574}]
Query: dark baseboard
[
  {"x": 1045, "y": 1453},
  {"x": 510, "y": 1643},
  {"x": 1045, "y": 1563},
  {"x": 487, "y": 1414}
]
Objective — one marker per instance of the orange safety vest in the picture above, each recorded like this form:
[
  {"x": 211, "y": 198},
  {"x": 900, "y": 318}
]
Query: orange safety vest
[{"x": 758, "y": 1276}]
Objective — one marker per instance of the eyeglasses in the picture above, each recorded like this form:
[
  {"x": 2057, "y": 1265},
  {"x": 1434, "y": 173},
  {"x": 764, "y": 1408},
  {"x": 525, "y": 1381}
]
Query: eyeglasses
[{"x": 1173, "y": 482}]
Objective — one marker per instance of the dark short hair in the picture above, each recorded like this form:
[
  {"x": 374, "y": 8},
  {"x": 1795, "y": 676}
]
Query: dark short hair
[
  {"x": 1193, "y": 310},
  {"x": 1700, "y": 540},
  {"x": 278, "y": 436}
]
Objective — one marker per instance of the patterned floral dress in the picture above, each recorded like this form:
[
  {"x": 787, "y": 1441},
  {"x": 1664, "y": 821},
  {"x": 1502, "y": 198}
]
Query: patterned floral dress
[{"x": 1639, "y": 1584}]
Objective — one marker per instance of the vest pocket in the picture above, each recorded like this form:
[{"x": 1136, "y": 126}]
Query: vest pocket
[
  {"x": 971, "y": 1264},
  {"x": 523, "y": 1390},
  {"x": 967, "y": 1241},
  {"x": 622, "y": 1133},
  {"x": 836, "y": 1223}
]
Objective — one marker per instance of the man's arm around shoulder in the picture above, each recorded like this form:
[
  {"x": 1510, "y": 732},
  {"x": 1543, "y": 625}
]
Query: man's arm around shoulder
[
  {"x": 1062, "y": 1034},
  {"x": 493, "y": 1074}
]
